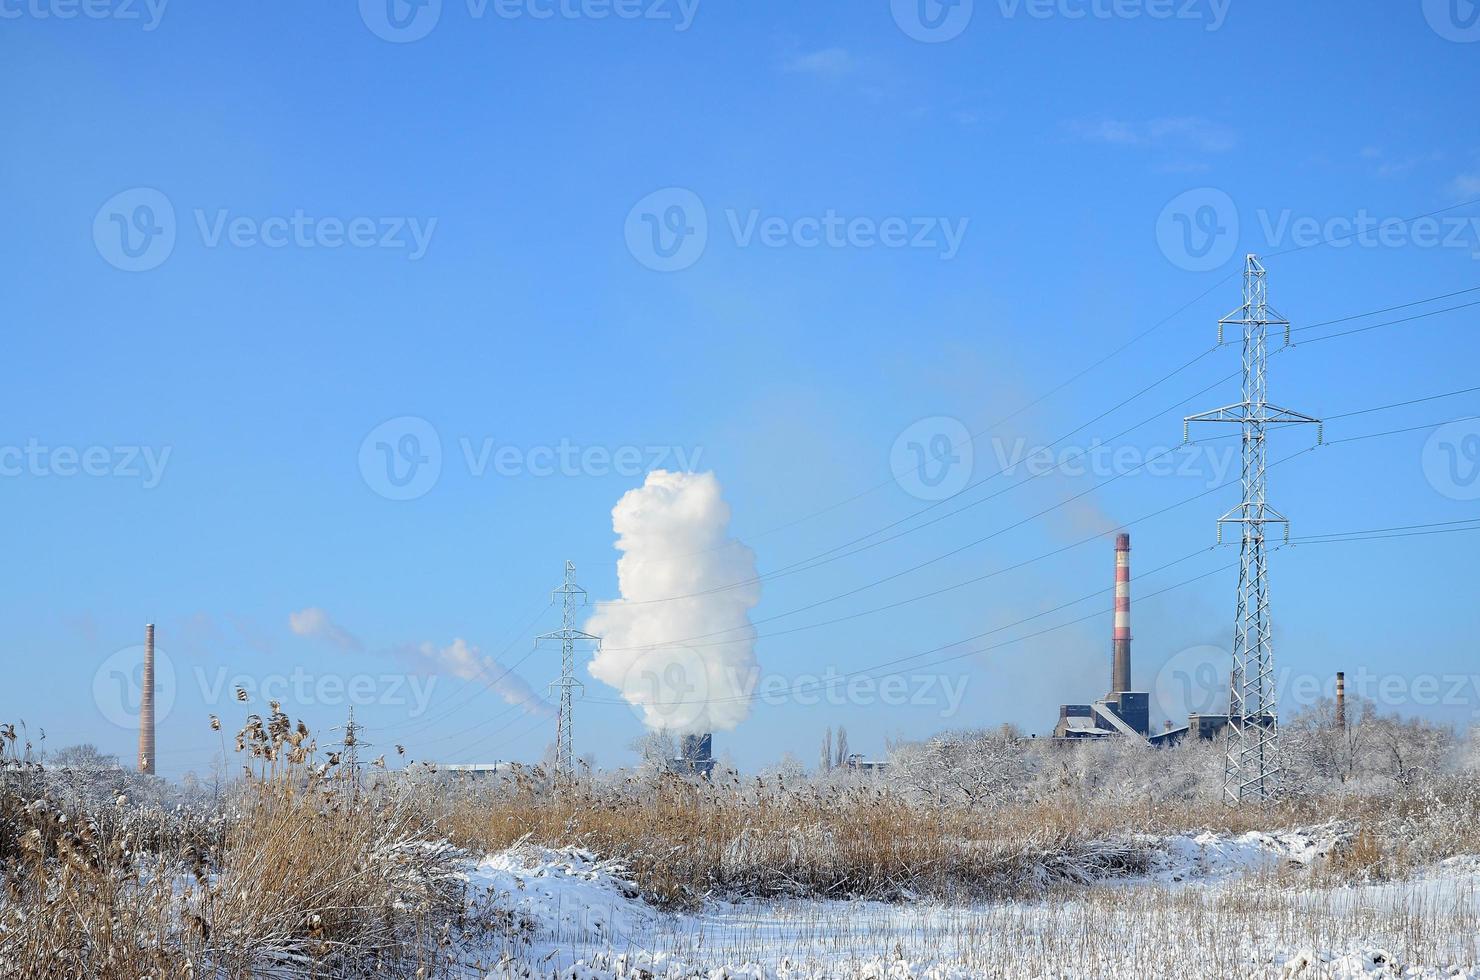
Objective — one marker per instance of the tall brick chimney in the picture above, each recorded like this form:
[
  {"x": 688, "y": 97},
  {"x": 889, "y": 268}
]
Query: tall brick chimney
[{"x": 146, "y": 706}]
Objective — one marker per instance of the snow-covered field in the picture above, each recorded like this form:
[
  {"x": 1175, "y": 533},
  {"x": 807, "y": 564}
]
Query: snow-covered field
[{"x": 1212, "y": 906}]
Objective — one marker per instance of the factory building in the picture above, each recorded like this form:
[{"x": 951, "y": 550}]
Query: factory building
[
  {"x": 695, "y": 755},
  {"x": 1122, "y": 711}
]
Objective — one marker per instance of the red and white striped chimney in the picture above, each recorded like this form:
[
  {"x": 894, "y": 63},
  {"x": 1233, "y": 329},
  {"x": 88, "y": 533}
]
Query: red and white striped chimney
[{"x": 1121, "y": 674}]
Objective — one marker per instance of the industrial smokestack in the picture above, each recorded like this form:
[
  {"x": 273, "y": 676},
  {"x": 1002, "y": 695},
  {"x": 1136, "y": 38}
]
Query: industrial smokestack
[
  {"x": 1341, "y": 699},
  {"x": 146, "y": 706},
  {"x": 1121, "y": 675},
  {"x": 696, "y": 754}
]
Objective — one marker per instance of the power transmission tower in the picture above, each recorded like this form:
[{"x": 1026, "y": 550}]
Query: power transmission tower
[
  {"x": 572, "y": 597},
  {"x": 350, "y": 756},
  {"x": 1251, "y": 767}
]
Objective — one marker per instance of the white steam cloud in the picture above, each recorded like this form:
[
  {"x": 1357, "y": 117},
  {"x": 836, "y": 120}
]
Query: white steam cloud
[{"x": 687, "y": 664}]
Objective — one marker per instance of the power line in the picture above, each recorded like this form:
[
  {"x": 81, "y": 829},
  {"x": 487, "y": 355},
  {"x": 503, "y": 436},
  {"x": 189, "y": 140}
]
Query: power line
[
  {"x": 805, "y": 562},
  {"x": 1451, "y": 525},
  {"x": 1411, "y": 401},
  {"x": 1276, "y": 463},
  {"x": 483, "y": 737},
  {"x": 1389, "y": 309},
  {"x": 1129, "y": 343},
  {"x": 1330, "y": 537},
  {"x": 841, "y": 678},
  {"x": 1354, "y": 234},
  {"x": 1383, "y": 537},
  {"x": 1308, "y": 539},
  {"x": 1387, "y": 323},
  {"x": 1083, "y": 541},
  {"x": 1395, "y": 432},
  {"x": 807, "y": 688},
  {"x": 691, "y": 640},
  {"x": 832, "y": 554},
  {"x": 422, "y": 724},
  {"x": 893, "y": 476}
]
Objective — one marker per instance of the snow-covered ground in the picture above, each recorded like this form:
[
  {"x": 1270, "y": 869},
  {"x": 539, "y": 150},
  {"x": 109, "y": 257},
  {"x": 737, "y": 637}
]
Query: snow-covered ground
[{"x": 1212, "y": 906}]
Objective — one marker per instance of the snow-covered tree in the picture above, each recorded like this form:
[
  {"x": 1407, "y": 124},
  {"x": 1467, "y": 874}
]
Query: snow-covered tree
[
  {"x": 973, "y": 767},
  {"x": 85, "y": 756}
]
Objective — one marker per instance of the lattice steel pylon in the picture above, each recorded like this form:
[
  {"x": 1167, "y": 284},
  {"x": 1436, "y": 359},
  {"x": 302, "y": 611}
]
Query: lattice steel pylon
[
  {"x": 1251, "y": 767},
  {"x": 572, "y": 597}
]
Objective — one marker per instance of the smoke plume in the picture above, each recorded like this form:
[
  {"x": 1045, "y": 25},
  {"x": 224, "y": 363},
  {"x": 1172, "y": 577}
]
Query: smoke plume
[
  {"x": 466, "y": 662},
  {"x": 687, "y": 664}
]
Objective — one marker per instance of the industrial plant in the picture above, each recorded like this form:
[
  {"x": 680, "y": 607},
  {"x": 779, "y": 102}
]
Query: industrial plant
[{"x": 1125, "y": 711}]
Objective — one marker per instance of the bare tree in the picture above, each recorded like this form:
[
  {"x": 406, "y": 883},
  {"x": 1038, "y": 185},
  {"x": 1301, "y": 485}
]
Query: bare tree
[{"x": 842, "y": 755}]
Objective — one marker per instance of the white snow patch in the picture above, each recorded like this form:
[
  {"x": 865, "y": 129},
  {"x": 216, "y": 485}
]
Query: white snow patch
[
  {"x": 1216, "y": 856},
  {"x": 564, "y": 896}
]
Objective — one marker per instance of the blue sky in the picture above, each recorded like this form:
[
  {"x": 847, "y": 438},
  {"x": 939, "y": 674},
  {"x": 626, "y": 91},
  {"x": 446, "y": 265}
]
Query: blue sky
[{"x": 896, "y": 222}]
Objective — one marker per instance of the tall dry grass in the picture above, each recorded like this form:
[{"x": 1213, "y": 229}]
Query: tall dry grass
[
  {"x": 683, "y": 841},
  {"x": 299, "y": 874},
  {"x": 302, "y": 869}
]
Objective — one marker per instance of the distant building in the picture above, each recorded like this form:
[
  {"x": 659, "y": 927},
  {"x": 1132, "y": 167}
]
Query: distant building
[
  {"x": 475, "y": 770},
  {"x": 860, "y": 764},
  {"x": 695, "y": 756},
  {"x": 1117, "y": 713},
  {"x": 1200, "y": 726}
]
